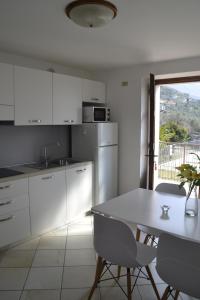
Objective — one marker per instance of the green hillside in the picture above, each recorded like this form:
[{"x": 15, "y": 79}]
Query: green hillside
[{"x": 180, "y": 108}]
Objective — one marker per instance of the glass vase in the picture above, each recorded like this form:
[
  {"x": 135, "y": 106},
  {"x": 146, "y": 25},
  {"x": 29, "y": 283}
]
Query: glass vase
[{"x": 191, "y": 204}]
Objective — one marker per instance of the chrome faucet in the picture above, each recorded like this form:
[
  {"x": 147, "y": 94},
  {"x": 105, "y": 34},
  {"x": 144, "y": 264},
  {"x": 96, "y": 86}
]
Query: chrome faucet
[{"x": 45, "y": 152}]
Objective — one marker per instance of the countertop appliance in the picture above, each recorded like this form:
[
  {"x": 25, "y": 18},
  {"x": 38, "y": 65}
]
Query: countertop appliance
[
  {"x": 6, "y": 172},
  {"x": 99, "y": 142},
  {"x": 96, "y": 114}
]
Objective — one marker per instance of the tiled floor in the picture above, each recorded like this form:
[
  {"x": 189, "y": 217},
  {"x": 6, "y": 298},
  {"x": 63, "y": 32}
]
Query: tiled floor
[{"x": 61, "y": 266}]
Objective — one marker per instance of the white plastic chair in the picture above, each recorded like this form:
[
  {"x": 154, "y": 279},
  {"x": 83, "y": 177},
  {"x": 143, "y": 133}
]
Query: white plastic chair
[
  {"x": 115, "y": 244},
  {"x": 169, "y": 188},
  {"x": 178, "y": 264}
]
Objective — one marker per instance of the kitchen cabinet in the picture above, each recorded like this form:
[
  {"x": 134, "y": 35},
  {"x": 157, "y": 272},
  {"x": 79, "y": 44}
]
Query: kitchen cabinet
[
  {"x": 47, "y": 194},
  {"x": 14, "y": 211},
  {"x": 67, "y": 104},
  {"x": 33, "y": 96},
  {"x": 93, "y": 91},
  {"x": 79, "y": 190},
  {"x": 6, "y": 92},
  {"x": 6, "y": 84}
]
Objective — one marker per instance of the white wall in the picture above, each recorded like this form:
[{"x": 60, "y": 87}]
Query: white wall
[
  {"x": 30, "y": 62},
  {"x": 128, "y": 108}
]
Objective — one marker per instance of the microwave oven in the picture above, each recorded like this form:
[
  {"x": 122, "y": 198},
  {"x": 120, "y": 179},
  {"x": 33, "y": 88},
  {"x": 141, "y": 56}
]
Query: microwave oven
[{"x": 96, "y": 114}]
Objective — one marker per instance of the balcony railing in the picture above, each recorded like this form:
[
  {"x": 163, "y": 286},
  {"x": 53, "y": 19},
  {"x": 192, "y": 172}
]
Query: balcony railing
[{"x": 173, "y": 155}]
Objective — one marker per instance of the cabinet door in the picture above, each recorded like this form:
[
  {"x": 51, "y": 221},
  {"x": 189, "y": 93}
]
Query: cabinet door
[
  {"x": 14, "y": 227},
  {"x": 93, "y": 91},
  {"x": 6, "y": 84},
  {"x": 33, "y": 97},
  {"x": 67, "y": 104},
  {"x": 79, "y": 191},
  {"x": 47, "y": 201}
]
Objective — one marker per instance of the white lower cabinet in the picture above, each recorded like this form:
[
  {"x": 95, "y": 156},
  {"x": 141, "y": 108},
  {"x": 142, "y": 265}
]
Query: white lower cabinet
[
  {"x": 44, "y": 202},
  {"x": 14, "y": 226},
  {"x": 47, "y": 201},
  {"x": 14, "y": 211},
  {"x": 79, "y": 190}
]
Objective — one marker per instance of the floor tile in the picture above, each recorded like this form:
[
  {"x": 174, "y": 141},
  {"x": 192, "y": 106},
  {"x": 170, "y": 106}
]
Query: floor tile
[
  {"x": 49, "y": 258},
  {"x": 10, "y": 295},
  {"x": 58, "y": 232},
  {"x": 78, "y": 277},
  {"x": 80, "y": 229},
  {"x": 29, "y": 245},
  {"x": 84, "y": 221},
  {"x": 111, "y": 282},
  {"x": 12, "y": 279},
  {"x": 108, "y": 293},
  {"x": 41, "y": 295},
  {"x": 80, "y": 257},
  {"x": 48, "y": 243},
  {"x": 154, "y": 273},
  {"x": 44, "y": 278},
  {"x": 17, "y": 258},
  {"x": 79, "y": 294},
  {"x": 80, "y": 242},
  {"x": 147, "y": 291}
]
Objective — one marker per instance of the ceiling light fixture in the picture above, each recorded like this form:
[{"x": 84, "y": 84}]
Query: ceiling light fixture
[{"x": 91, "y": 13}]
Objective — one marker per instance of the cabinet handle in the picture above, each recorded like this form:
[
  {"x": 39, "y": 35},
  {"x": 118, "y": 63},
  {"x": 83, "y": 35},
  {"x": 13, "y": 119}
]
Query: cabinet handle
[
  {"x": 7, "y": 219},
  {"x": 6, "y": 202},
  {"x": 68, "y": 121},
  {"x": 95, "y": 99},
  {"x": 35, "y": 121},
  {"x": 80, "y": 170},
  {"x": 47, "y": 177},
  {"x": 5, "y": 187}
]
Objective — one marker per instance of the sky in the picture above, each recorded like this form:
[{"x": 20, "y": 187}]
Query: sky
[{"x": 192, "y": 88}]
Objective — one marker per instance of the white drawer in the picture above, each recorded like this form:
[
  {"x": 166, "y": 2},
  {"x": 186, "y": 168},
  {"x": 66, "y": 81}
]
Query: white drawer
[
  {"x": 8, "y": 205},
  {"x": 15, "y": 188},
  {"x": 14, "y": 227}
]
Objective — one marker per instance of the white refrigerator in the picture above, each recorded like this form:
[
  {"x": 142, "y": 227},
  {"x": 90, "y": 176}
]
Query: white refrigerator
[{"x": 99, "y": 142}]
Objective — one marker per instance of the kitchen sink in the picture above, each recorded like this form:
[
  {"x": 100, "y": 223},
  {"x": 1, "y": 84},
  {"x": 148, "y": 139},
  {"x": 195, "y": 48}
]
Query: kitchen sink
[
  {"x": 42, "y": 166},
  {"x": 53, "y": 164}
]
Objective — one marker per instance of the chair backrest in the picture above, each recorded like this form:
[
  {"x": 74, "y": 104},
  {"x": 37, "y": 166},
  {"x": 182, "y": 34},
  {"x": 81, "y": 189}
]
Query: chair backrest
[
  {"x": 170, "y": 188},
  {"x": 178, "y": 264},
  {"x": 114, "y": 241}
]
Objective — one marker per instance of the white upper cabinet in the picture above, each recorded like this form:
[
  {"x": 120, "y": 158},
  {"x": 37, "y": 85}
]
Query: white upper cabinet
[
  {"x": 6, "y": 84},
  {"x": 93, "y": 91},
  {"x": 67, "y": 104},
  {"x": 33, "y": 96},
  {"x": 6, "y": 92}
]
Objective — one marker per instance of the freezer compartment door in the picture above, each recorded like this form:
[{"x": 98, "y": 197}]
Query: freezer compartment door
[
  {"x": 106, "y": 174},
  {"x": 107, "y": 134}
]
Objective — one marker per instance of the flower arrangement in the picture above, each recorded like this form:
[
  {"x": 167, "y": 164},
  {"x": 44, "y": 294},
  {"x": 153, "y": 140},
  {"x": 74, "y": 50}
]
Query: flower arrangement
[{"x": 189, "y": 174}]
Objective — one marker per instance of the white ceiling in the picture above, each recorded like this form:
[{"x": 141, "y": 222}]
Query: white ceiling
[{"x": 144, "y": 31}]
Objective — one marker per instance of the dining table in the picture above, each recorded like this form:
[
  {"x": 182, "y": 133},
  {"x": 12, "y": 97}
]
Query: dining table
[{"x": 145, "y": 207}]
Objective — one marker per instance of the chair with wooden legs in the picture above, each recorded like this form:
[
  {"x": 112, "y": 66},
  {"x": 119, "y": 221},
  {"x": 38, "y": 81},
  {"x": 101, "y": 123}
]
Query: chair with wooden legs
[
  {"x": 151, "y": 234},
  {"x": 178, "y": 264},
  {"x": 115, "y": 244}
]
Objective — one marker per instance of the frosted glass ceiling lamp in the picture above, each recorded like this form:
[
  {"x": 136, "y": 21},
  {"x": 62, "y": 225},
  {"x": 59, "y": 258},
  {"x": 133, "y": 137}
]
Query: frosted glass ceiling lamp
[{"x": 91, "y": 13}]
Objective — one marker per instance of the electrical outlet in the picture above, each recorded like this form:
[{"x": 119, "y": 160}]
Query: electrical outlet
[{"x": 124, "y": 83}]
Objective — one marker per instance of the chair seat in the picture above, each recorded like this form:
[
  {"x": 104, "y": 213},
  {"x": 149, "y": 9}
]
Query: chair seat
[
  {"x": 150, "y": 231},
  {"x": 145, "y": 254}
]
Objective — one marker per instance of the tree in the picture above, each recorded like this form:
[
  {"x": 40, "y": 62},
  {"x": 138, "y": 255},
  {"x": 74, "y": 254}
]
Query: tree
[{"x": 173, "y": 132}]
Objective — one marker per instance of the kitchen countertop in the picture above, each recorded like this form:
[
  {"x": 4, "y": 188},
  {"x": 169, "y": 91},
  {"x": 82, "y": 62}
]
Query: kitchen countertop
[{"x": 31, "y": 171}]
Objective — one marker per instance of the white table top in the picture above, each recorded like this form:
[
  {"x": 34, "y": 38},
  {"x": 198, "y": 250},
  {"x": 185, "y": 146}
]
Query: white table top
[{"x": 143, "y": 207}]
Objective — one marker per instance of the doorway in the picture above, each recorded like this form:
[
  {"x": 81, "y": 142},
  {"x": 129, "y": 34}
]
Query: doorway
[{"x": 176, "y": 127}]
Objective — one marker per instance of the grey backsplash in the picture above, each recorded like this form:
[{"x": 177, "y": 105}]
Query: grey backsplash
[{"x": 24, "y": 144}]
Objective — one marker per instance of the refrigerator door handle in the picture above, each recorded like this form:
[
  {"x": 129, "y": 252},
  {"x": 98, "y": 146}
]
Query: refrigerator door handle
[{"x": 104, "y": 146}]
